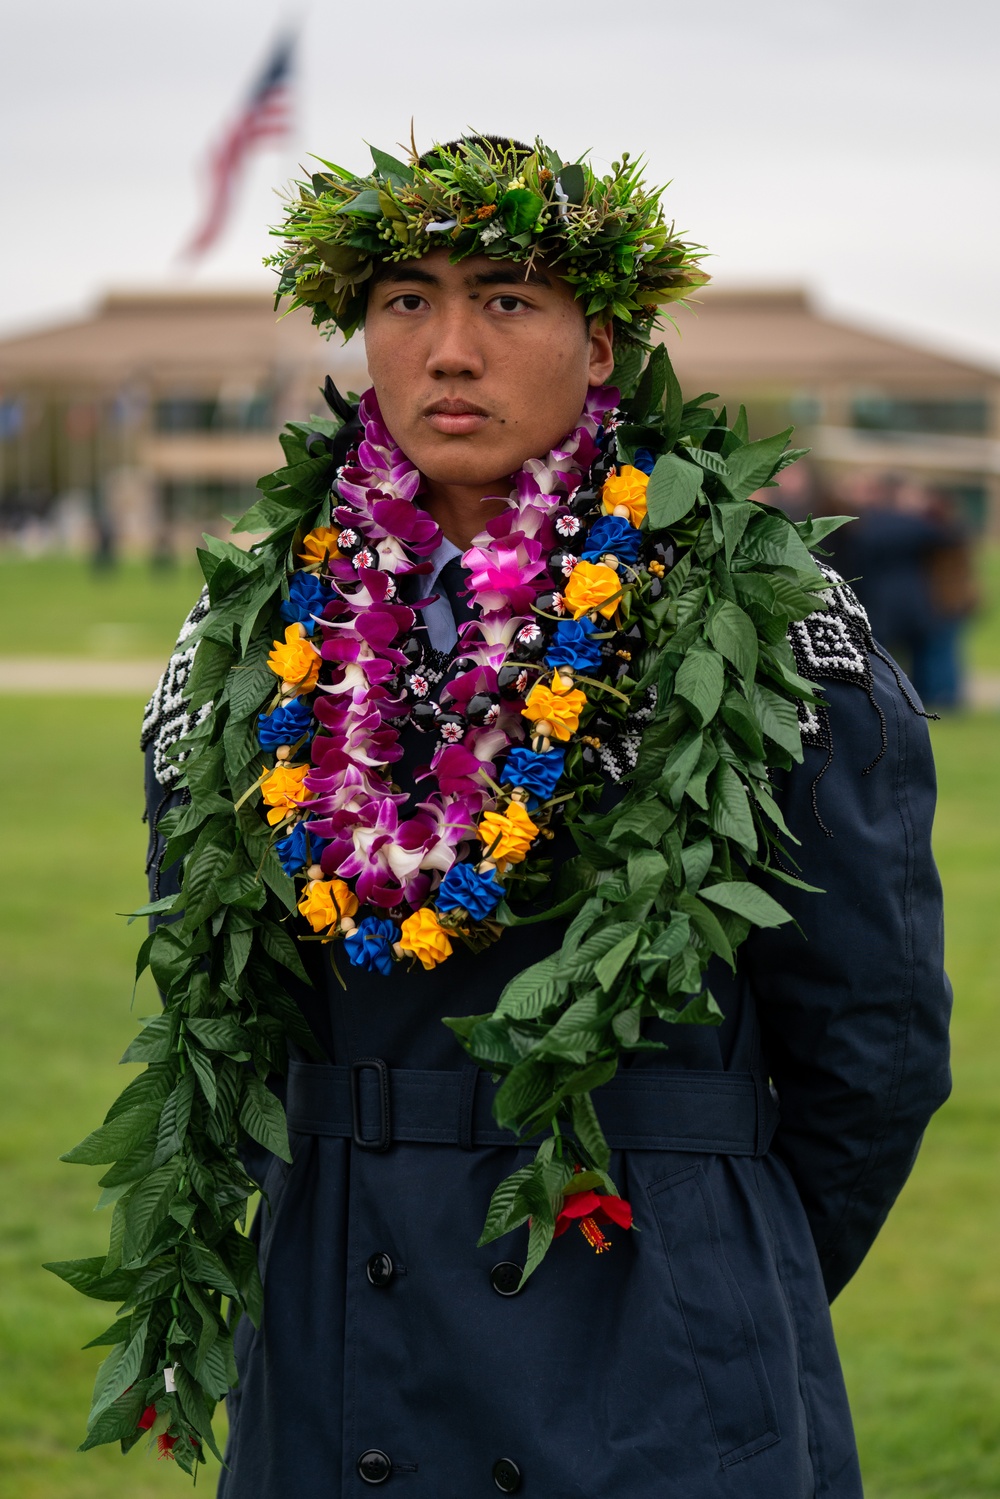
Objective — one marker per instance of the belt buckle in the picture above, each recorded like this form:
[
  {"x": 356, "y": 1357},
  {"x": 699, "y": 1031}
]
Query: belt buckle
[{"x": 383, "y": 1139}]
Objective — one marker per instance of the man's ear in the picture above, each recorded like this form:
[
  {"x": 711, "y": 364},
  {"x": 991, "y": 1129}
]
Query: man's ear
[{"x": 602, "y": 353}]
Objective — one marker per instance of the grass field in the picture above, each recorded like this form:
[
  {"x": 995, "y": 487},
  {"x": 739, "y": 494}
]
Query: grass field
[
  {"x": 919, "y": 1327},
  {"x": 58, "y": 606}
]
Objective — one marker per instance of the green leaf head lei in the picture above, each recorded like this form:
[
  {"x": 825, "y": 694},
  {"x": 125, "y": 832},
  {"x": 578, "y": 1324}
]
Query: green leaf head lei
[{"x": 606, "y": 236}]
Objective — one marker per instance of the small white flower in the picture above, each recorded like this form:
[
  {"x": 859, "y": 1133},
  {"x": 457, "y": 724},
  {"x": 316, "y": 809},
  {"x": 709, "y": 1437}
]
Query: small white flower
[{"x": 490, "y": 233}]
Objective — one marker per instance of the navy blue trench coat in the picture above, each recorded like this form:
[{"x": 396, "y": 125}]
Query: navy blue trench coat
[{"x": 695, "y": 1359}]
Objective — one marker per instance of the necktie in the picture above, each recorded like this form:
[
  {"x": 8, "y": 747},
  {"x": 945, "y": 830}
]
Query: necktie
[{"x": 453, "y": 582}]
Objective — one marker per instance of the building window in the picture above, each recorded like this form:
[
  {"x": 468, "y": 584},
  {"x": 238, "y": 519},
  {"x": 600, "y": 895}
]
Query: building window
[
  {"x": 247, "y": 412},
  {"x": 899, "y": 414}
]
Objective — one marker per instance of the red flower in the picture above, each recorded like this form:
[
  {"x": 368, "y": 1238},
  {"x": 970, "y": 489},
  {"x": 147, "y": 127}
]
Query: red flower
[
  {"x": 147, "y": 1418},
  {"x": 166, "y": 1444},
  {"x": 588, "y": 1210}
]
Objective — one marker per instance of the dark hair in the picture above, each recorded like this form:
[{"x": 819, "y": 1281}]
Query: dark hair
[{"x": 494, "y": 145}]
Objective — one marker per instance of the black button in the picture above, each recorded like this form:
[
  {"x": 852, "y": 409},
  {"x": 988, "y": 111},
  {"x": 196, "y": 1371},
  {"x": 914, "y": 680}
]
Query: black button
[
  {"x": 505, "y": 1279},
  {"x": 375, "y": 1467},
  {"x": 380, "y": 1269},
  {"x": 506, "y": 1476}
]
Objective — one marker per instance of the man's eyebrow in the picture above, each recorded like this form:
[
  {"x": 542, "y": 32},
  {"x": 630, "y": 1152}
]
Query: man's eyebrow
[
  {"x": 509, "y": 277},
  {"x": 405, "y": 271}
]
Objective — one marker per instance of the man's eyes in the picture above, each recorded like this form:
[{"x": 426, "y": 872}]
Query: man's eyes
[
  {"x": 408, "y": 302},
  {"x": 507, "y": 303}
]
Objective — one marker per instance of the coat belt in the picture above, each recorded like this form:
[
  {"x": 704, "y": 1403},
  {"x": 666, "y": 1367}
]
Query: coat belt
[{"x": 714, "y": 1113}]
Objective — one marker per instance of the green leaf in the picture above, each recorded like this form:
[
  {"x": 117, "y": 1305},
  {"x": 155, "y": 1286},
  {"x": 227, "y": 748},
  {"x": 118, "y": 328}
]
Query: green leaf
[
  {"x": 664, "y": 947},
  {"x": 533, "y": 991},
  {"x": 118, "y": 1423},
  {"x": 778, "y": 718},
  {"x": 579, "y": 965},
  {"x": 751, "y": 467},
  {"x": 747, "y": 900},
  {"x": 388, "y": 166},
  {"x": 680, "y": 765},
  {"x": 773, "y": 539},
  {"x": 169, "y": 957},
  {"x": 196, "y": 1407},
  {"x": 252, "y": 683},
  {"x": 711, "y": 462},
  {"x": 210, "y": 669},
  {"x": 573, "y": 182},
  {"x": 707, "y": 926},
  {"x": 733, "y": 517},
  {"x": 219, "y": 1035},
  {"x": 649, "y": 392},
  {"x": 279, "y": 945},
  {"x": 502, "y": 1211},
  {"x": 697, "y": 860},
  {"x": 519, "y": 208},
  {"x": 607, "y": 969},
  {"x": 148, "y": 1205},
  {"x": 87, "y": 1276},
  {"x": 523, "y": 1090},
  {"x": 540, "y": 1236},
  {"x": 739, "y": 716},
  {"x": 702, "y": 1010},
  {"x": 155, "y": 1041},
  {"x": 174, "y": 1120},
  {"x": 201, "y": 879},
  {"x": 118, "y": 1371},
  {"x": 587, "y": 1128},
  {"x": 118, "y": 1332},
  {"x": 115, "y": 1139},
  {"x": 263, "y": 1118},
  {"x": 699, "y": 683},
  {"x": 730, "y": 808},
  {"x": 648, "y": 822},
  {"x": 732, "y": 632},
  {"x": 672, "y": 491},
  {"x": 206, "y": 1269},
  {"x": 815, "y": 529}
]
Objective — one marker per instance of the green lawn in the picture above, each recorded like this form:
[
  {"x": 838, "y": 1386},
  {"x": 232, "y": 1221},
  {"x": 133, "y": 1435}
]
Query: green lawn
[
  {"x": 918, "y": 1326},
  {"x": 984, "y": 637},
  {"x": 58, "y": 606}
]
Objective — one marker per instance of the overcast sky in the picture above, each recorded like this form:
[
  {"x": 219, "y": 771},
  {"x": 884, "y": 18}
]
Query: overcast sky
[{"x": 848, "y": 145}]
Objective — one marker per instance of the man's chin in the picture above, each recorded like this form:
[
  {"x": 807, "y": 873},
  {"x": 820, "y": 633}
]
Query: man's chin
[{"x": 469, "y": 469}]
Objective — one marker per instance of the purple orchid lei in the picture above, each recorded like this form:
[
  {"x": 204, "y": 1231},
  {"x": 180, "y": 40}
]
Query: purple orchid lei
[{"x": 350, "y": 832}]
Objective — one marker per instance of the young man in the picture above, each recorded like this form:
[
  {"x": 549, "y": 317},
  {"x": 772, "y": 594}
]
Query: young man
[{"x": 755, "y": 1158}]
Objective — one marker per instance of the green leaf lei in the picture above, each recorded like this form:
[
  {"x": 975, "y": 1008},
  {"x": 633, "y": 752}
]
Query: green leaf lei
[{"x": 660, "y": 887}]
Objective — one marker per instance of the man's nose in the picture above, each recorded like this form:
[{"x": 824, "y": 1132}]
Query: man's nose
[{"x": 455, "y": 348}]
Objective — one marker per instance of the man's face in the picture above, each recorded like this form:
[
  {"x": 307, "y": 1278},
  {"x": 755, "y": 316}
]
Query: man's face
[{"x": 477, "y": 369}]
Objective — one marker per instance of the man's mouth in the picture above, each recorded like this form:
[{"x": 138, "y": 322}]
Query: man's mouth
[{"x": 455, "y": 417}]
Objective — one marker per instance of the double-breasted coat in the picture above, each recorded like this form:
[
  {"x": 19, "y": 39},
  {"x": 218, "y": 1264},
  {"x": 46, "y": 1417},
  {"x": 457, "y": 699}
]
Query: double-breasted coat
[{"x": 696, "y": 1358}]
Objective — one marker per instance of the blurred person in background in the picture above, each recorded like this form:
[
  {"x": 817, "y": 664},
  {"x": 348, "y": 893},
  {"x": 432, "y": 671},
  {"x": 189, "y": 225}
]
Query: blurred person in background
[
  {"x": 909, "y": 559},
  {"x": 800, "y": 492},
  {"x": 938, "y": 669}
]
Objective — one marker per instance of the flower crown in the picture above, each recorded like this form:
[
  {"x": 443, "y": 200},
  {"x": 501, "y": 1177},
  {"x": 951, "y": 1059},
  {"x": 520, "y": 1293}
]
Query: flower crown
[{"x": 606, "y": 236}]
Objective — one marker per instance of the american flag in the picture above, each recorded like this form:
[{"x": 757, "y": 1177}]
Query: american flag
[{"x": 266, "y": 116}]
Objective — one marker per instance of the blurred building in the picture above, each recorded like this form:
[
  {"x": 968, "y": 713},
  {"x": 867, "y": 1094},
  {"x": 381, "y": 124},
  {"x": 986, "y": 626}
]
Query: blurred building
[
  {"x": 863, "y": 402},
  {"x": 148, "y": 422}
]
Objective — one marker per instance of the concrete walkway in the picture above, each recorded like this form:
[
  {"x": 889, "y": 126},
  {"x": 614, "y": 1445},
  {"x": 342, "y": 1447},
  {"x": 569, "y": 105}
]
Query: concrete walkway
[{"x": 66, "y": 674}]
